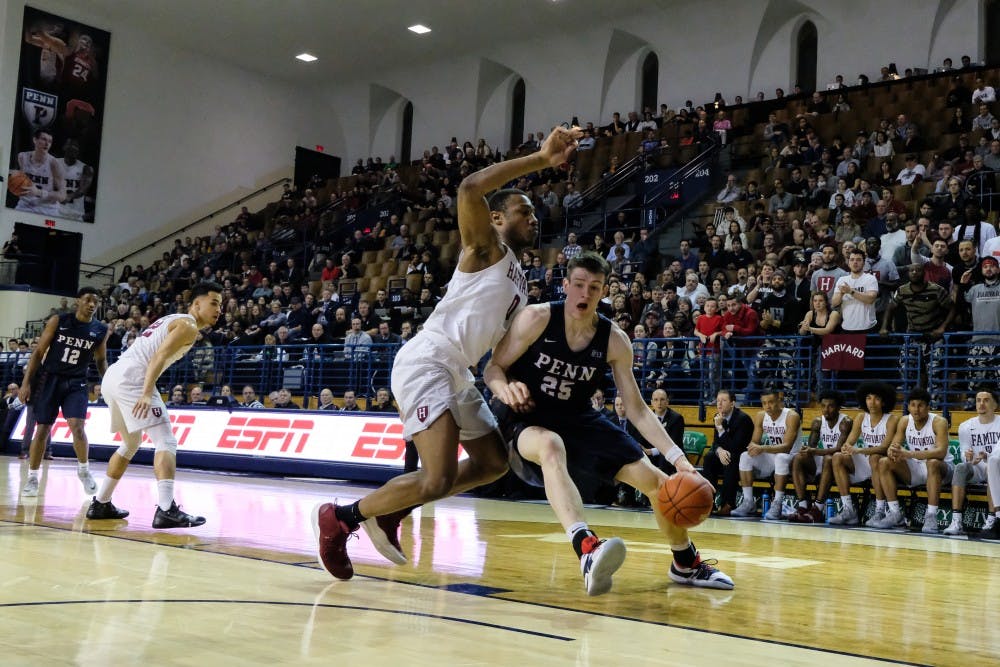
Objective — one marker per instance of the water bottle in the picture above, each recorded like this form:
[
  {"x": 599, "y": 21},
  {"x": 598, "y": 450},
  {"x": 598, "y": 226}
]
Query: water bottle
[
  {"x": 765, "y": 503},
  {"x": 829, "y": 509}
]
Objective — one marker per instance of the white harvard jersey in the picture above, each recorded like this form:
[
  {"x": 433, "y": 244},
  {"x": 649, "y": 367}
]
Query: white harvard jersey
[
  {"x": 829, "y": 436},
  {"x": 873, "y": 436},
  {"x": 775, "y": 429},
  {"x": 72, "y": 175},
  {"x": 478, "y": 308},
  {"x": 977, "y": 437},
  {"x": 42, "y": 176},
  {"x": 140, "y": 353},
  {"x": 922, "y": 439}
]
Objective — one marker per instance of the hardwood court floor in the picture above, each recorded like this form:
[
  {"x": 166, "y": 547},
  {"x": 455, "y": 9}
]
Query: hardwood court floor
[{"x": 490, "y": 583}]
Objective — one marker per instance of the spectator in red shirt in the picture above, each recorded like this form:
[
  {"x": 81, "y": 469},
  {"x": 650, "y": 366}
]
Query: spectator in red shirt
[{"x": 708, "y": 329}]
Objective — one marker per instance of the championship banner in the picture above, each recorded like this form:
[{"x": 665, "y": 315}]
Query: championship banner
[
  {"x": 287, "y": 434},
  {"x": 842, "y": 352},
  {"x": 59, "y": 111}
]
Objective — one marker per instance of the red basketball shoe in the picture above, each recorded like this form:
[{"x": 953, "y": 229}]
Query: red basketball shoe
[{"x": 331, "y": 537}]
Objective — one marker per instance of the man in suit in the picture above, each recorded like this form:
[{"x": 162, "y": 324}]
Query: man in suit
[
  {"x": 673, "y": 424},
  {"x": 733, "y": 431}
]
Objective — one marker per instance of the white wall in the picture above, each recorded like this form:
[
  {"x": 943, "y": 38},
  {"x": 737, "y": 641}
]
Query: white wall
[{"x": 183, "y": 135}]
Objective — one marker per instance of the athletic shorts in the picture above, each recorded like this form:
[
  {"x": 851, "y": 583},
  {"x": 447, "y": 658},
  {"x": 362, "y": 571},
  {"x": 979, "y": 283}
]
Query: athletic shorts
[
  {"x": 51, "y": 391},
  {"x": 596, "y": 448},
  {"x": 862, "y": 468},
  {"x": 918, "y": 472},
  {"x": 762, "y": 465},
  {"x": 427, "y": 381},
  {"x": 974, "y": 474},
  {"x": 121, "y": 388}
]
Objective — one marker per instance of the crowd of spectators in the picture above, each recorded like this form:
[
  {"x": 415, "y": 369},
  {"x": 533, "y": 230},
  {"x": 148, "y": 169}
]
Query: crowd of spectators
[{"x": 777, "y": 247}]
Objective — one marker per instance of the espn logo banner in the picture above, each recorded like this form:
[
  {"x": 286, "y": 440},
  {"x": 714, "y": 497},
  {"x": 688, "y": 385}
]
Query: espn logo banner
[{"x": 314, "y": 436}]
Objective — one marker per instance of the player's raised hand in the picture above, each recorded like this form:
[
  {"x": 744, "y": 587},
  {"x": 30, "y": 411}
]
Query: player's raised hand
[{"x": 560, "y": 144}]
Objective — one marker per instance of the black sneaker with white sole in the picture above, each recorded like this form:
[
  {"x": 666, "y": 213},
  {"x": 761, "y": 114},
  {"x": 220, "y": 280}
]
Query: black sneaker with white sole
[
  {"x": 99, "y": 511},
  {"x": 175, "y": 518}
]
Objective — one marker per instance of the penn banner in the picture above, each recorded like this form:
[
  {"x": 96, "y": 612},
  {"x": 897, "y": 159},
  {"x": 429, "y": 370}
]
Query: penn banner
[
  {"x": 842, "y": 352},
  {"x": 59, "y": 111}
]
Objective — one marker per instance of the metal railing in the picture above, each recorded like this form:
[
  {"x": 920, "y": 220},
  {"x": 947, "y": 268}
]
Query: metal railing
[{"x": 951, "y": 368}]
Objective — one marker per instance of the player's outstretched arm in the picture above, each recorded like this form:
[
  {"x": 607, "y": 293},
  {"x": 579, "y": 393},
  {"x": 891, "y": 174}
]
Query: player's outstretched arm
[
  {"x": 524, "y": 330},
  {"x": 35, "y": 360},
  {"x": 620, "y": 360},
  {"x": 182, "y": 334},
  {"x": 473, "y": 211}
]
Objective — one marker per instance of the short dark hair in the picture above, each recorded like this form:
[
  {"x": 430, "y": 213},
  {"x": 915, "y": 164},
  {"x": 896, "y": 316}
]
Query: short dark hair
[
  {"x": 498, "y": 200},
  {"x": 992, "y": 391},
  {"x": 87, "y": 290},
  {"x": 589, "y": 261},
  {"x": 728, "y": 392},
  {"x": 201, "y": 289},
  {"x": 835, "y": 396},
  {"x": 919, "y": 394},
  {"x": 769, "y": 390}
]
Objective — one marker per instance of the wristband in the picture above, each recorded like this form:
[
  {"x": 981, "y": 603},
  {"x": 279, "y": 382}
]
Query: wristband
[{"x": 673, "y": 454}]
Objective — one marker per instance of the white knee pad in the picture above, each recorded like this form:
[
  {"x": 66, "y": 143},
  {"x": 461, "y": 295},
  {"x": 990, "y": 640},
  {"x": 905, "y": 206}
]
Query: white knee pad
[
  {"x": 746, "y": 462},
  {"x": 130, "y": 445},
  {"x": 163, "y": 438},
  {"x": 782, "y": 462}
]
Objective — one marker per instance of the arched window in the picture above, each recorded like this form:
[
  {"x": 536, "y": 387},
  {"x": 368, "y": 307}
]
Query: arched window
[
  {"x": 650, "y": 82},
  {"x": 517, "y": 114},
  {"x": 406, "y": 137},
  {"x": 805, "y": 69}
]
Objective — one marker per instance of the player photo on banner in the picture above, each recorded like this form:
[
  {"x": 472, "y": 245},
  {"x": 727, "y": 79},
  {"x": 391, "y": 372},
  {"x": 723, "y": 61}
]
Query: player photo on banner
[{"x": 56, "y": 146}]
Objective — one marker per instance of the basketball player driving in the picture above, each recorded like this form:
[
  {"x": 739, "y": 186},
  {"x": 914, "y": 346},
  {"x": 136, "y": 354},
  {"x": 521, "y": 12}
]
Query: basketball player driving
[{"x": 545, "y": 369}]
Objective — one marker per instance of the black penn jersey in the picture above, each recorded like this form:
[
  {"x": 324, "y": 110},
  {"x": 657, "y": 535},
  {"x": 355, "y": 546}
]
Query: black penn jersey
[
  {"x": 72, "y": 347},
  {"x": 561, "y": 380}
]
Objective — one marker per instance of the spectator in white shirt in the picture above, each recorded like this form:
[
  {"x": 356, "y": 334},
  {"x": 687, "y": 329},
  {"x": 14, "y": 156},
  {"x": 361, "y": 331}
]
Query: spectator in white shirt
[
  {"x": 983, "y": 93},
  {"x": 912, "y": 173},
  {"x": 984, "y": 121}
]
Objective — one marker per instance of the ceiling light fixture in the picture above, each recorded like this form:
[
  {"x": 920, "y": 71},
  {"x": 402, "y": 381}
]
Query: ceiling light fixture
[
  {"x": 306, "y": 57},
  {"x": 419, "y": 29}
]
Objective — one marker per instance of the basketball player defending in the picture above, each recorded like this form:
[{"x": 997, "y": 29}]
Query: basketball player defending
[
  {"x": 915, "y": 457},
  {"x": 129, "y": 387},
  {"x": 438, "y": 401},
  {"x": 782, "y": 426},
  {"x": 828, "y": 433},
  {"x": 978, "y": 438},
  {"x": 46, "y": 173},
  {"x": 867, "y": 442},
  {"x": 56, "y": 377},
  {"x": 545, "y": 369}
]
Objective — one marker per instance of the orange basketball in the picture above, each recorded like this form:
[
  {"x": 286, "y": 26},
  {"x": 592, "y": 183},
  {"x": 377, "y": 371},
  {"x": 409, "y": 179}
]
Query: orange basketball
[
  {"x": 686, "y": 499},
  {"x": 18, "y": 183}
]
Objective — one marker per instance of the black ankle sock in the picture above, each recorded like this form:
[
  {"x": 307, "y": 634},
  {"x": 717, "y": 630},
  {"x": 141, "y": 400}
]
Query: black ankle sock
[
  {"x": 686, "y": 557},
  {"x": 578, "y": 538},
  {"x": 351, "y": 515}
]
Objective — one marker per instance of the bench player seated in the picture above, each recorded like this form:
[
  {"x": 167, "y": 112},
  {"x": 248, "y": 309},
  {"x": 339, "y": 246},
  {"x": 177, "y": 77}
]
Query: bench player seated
[
  {"x": 915, "y": 457},
  {"x": 827, "y": 434},
  {"x": 871, "y": 432},
  {"x": 976, "y": 438},
  {"x": 782, "y": 427},
  {"x": 544, "y": 372}
]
